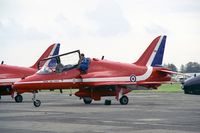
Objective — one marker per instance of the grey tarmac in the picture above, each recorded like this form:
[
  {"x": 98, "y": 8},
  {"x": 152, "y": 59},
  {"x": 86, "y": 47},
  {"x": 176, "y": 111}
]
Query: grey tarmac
[{"x": 60, "y": 113}]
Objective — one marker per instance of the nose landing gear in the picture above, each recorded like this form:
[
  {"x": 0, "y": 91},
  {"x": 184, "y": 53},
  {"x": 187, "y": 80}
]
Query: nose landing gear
[{"x": 36, "y": 102}]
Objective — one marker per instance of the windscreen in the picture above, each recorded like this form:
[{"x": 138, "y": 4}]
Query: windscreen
[{"x": 70, "y": 59}]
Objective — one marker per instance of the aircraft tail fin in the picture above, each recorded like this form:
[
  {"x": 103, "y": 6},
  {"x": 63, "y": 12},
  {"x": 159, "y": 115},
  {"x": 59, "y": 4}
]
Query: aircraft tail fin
[
  {"x": 50, "y": 51},
  {"x": 153, "y": 55}
]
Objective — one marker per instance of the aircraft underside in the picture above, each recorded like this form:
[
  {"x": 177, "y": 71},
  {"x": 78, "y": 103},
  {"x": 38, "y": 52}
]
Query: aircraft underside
[
  {"x": 90, "y": 93},
  {"x": 96, "y": 93},
  {"x": 7, "y": 90}
]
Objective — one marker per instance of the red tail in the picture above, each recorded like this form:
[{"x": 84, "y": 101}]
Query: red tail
[
  {"x": 50, "y": 51},
  {"x": 153, "y": 55}
]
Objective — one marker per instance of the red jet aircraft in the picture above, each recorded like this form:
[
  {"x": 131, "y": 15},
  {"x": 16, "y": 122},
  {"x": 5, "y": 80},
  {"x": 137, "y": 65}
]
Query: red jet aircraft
[
  {"x": 99, "y": 78},
  {"x": 10, "y": 74}
]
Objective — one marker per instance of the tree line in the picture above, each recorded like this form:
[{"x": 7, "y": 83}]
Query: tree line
[{"x": 190, "y": 67}]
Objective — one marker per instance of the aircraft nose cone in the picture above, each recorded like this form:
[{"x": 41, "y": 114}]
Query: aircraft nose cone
[
  {"x": 187, "y": 83},
  {"x": 184, "y": 85},
  {"x": 192, "y": 86}
]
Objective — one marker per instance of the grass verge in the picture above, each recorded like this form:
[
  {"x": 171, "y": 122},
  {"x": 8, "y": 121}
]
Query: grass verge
[{"x": 165, "y": 88}]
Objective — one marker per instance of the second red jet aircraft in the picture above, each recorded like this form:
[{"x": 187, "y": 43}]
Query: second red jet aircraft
[{"x": 10, "y": 74}]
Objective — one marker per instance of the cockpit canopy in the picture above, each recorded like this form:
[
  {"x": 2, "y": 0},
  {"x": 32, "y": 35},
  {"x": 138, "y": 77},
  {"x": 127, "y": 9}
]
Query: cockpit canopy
[{"x": 59, "y": 63}]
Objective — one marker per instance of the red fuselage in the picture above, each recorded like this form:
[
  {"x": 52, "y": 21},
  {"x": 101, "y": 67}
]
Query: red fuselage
[
  {"x": 10, "y": 74},
  {"x": 98, "y": 78},
  {"x": 100, "y": 73}
]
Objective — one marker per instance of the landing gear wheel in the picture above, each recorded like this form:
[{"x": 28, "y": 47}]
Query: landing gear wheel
[
  {"x": 18, "y": 98},
  {"x": 186, "y": 92},
  {"x": 107, "y": 102},
  {"x": 87, "y": 100},
  {"x": 37, "y": 103},
  {"x": 123, "y": 100}
]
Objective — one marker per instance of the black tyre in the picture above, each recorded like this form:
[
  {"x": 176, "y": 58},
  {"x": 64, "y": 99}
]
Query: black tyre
[
  {"x": 124, "y": 100},
  {"x": 87, "y": 100},
  {"x": 18, "y": 98},
  {"x": 186, "y": 92},
  {"x": 107, "y": 102},
  {"x": 37, "y": 103}
]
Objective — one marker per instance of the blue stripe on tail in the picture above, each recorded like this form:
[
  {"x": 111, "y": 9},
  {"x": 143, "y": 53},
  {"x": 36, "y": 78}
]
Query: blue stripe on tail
[
  {"x": 158, "y": 59},
  {"x": 53, "y": 61}
]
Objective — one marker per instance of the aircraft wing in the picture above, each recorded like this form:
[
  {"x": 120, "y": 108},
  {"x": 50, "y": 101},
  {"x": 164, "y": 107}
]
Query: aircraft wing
[
  {"x": 141, "y": 83},
  {"x": 172, "y": 72}
]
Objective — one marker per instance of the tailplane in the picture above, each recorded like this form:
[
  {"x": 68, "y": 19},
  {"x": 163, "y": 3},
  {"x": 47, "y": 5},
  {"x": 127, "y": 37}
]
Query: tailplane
[
  {"x": 153, "y": 55},
  {"x": 50, "y": 51}
]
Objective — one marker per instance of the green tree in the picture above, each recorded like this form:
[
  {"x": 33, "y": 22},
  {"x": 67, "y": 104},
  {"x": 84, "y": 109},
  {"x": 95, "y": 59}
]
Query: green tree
[
  {"x": 182, "y": 69},
  {"x": 192, "y": 67},
  {"x": 171, "y": 67}
]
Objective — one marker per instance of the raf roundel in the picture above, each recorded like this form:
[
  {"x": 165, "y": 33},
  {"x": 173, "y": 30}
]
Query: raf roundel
[{"x": 132, "y": 78}]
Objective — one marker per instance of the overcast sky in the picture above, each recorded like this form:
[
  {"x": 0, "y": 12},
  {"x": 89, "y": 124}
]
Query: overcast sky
[{"x": 118, "y": 29}]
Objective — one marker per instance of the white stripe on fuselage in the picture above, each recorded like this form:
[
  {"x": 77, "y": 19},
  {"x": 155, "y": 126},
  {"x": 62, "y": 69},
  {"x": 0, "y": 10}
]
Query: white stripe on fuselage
[
  {"x": 127, "y": 78},
  {"x": 154, "y": 52},
  {"x": 9, "y": 80},
  {"x": 145, "y": 76}
]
